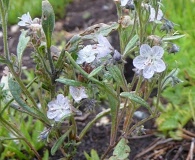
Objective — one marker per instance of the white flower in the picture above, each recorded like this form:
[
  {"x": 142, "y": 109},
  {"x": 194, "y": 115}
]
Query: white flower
[
  {"x": 4, "y": 81},
  {"x": 78, "y": 93},
  {"x": 27, "y": 21},
  {"x": 153, "y": 14},
  {"x": 87, "y": 54},
  {"x": 124, "y": 2},
  {"x": 103, "y": 47},
  {"x": 59, "y": 108},
  {"x": 95, "y": 52},
  {"x": 150, "y": 60}
]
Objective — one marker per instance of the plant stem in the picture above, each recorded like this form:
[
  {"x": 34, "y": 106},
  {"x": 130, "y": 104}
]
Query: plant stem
[
  {"x": 97, "y": 117},
  {"x": 158, "y": 96},
  {"x": 138, "y": 8},
  {"x": 3, "y": 15}
]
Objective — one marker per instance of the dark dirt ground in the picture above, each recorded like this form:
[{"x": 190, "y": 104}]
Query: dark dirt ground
[{"x": 80, "y": 15}]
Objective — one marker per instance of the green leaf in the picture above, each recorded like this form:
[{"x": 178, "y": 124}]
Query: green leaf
[
  {"x": 132, "y": 96},
  {"x": 23, "y": 41},
  {"x": 121, "y": 151},
  {"x": 131, "y": 44},
  {"x": 95, "y": 71},
  {"x": 48, "y": 20},
  {"x": 70, "y": 82},
  {"x": 94, "y": 155},
  {"x": 17, "y": 93},
  {"x": 169, "y": 38},
  {"x": 46, "y": 155},
  {"x": 103, "y": 29},
  {"x": 59, "y": 142},
  {"x": 173, "y": 118},
  {"x": 117, "y": 75}
]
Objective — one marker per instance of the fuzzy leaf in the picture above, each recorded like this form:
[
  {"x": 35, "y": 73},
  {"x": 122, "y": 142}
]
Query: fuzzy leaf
[
  {"x": 121, "y": 151},
  {"x": 97, "y": 29},
  {"x": 172, "y": 37},
  {"x": 17, "y": 93},
  {"x": 23, "y": 41},
  {"x": 95, "y": 71},
  {"x": 116, "y": 75},
  {"x": 94, "y": 155},
  {"x": 132, "y": 96},
  {"x": 70, "y": 82},
  {"x": 59, "y": 142},
  {"x": 131, "y": 44},
  {"x": 48, "y": 20}
]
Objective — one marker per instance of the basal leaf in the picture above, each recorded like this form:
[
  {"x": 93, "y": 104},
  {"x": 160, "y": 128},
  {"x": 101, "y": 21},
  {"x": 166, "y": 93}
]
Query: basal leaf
[{"x": 121, "y": 151}]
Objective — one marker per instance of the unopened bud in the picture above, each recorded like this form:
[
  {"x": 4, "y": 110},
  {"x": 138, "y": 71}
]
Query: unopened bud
[
  {"x": 116, "y": 56},
  {"x": 130, "y": 5},
  {"x": 167, "y": 26},
  {"x": 173, "y": 49}
]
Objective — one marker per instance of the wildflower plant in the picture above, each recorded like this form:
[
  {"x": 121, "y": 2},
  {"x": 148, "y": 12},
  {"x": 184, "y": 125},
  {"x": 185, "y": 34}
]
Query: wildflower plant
[{"x": 79, "y": 73}]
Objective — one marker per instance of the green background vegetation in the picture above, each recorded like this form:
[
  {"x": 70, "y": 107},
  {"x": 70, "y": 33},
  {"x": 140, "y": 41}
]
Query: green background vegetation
[{"x": 19, "y": 7}]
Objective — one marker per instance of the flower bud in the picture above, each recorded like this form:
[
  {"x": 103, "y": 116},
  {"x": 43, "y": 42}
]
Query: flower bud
[
  {"x": 173, "y": 49},
  {"x": 116, "y": 56},
  {"x": 167, "y": 26},
  {"x": 130, "y": 5}
]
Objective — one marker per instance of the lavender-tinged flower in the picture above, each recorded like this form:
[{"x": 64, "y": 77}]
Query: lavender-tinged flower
[
  {"x": 59, "y": 108},
  {"x": 78, "y": 93},
  {"x": 87, "y": 54},
  {"x": 150, "y": 60},
  {"x": 26, "y": 21},
  {"x": 94, "y": 52},
  {"x": 124, "y": 2},
  {"x": 104, "y": 47},
  {"x": 153, "y": 14},
  {"x": 152, "y": 11}
]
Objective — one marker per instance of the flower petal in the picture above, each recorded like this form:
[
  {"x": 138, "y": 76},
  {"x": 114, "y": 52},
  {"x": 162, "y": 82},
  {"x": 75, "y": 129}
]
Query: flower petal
[
  {"x": 139, "y": 62},
  {"x": 52, "y": 114},
  {"x": 124, "y": 2},
  {"x": 145, "y": 50},
  {"x": 148, "y": 72},
  {"x": 159, "y": 65},
  {"x": 104, "y": 41},
  {"x": 157, "y": 52},
  {"x": 77, "y": 93}
]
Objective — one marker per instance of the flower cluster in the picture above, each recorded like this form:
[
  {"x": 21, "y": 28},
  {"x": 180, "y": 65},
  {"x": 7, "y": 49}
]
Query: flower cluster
[{"x": 149, "y": 61}]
